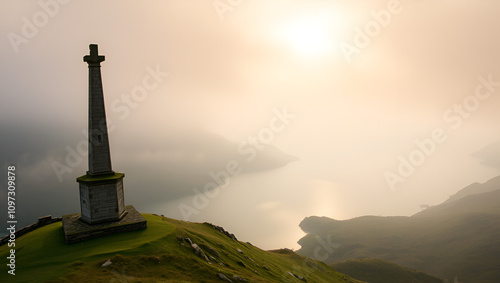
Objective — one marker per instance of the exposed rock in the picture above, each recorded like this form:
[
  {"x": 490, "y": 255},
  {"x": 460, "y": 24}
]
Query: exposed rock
[
  {"x": 107, "y": 263},
  {"x": 199, "y": 252},
  {"x": 210, "y": 250},
  {"x": 237, "y": 278},
  {"x": 297, "y": 276},
  {"x": 249, "y": 259},
  {"x": 220, "y": 229},
  {"x": 223, "y": 277},
  {"x": 241, "y": 263},
  {"x": 213, "y": 251},
  {"x": 188, "y": 241},
  {"x": 240, "y": 251},
  {"x": 265, "y": 267}
]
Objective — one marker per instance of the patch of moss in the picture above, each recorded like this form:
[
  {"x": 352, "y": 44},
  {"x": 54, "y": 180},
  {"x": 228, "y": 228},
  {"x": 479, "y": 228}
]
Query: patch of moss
[{"x": 88, "y": 178}]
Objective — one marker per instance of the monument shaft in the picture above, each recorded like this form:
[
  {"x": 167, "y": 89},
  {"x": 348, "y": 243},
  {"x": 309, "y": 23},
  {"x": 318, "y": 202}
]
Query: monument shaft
[{"x": 99, "y": 154}]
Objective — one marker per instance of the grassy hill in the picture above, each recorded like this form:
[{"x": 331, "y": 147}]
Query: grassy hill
[
  {"x": 374, "y": 270},
  {"x": 161, "y": 253},
  {"x": 459, "y": 238}
]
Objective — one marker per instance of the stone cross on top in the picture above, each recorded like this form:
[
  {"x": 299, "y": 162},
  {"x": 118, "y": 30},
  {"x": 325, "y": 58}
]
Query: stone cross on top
[{"x": 93, "y": 58}]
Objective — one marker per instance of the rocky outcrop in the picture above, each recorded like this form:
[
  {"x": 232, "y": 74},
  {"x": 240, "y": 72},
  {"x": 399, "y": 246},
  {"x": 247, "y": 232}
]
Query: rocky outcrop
[
  {"x": 199, "y": 252},
  {"x": 237, "y": 278},
  {"x": 220, "y": 229},
  {"x": 107, "y": 263},
  {"x": 210, "y": 250},
  {"x": 196, "y": 248},
  {"x": 224, "y": 277},
  {"x": 297, "y": 276}
]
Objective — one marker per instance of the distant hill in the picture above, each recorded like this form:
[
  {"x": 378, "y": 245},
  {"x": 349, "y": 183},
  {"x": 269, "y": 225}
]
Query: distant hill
[
  {"x": 490, "y": 155},
  {"x": 183, "y": 161},
  {"x": 184, "y": 164},
  {"x": 161, "y": 253},
  {"x": 459, "y": 238},
  {"x": 380, "y": 271},
  {"x": 477, "y": 188}
]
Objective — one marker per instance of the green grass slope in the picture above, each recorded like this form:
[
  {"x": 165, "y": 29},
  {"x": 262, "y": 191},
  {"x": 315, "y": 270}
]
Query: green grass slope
[
  {"x": 374, "y": 270},
  {"x": 156, "y": 254}
]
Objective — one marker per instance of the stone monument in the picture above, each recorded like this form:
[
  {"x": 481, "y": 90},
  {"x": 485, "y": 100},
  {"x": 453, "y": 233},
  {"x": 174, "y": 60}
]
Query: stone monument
[{"x": 103, "y": 211}]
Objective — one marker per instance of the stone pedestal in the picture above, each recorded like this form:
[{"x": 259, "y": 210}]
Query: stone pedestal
[
  {"x": 101, "y": 198},
  {"x": 76, "y": 230}
]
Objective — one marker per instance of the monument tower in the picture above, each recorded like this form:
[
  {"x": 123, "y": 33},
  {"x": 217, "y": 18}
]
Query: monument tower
[
  {"x": 101, "y": 189},
  {"x": 102, "y": 207}
]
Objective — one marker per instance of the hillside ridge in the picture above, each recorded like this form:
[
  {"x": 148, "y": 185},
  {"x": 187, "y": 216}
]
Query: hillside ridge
[{"x": 168, "y": 250}]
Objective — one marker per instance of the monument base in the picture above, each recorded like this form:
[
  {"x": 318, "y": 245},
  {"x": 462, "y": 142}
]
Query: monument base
[{"x": 76, "y": 230}]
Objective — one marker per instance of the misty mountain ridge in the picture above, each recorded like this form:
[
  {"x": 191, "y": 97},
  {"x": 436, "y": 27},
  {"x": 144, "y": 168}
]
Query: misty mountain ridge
[
  {"x": 459, "y": 238},
  {"x": 477, "y": 188},
  {"x": 490, "y": 155}
]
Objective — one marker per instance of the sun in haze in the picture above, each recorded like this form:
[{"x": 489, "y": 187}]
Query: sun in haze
[{"x": 310, "y": 36}]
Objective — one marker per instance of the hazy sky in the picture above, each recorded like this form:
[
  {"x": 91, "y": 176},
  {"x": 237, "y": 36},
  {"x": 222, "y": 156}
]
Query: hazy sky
[{"x": 355, "y": 91}]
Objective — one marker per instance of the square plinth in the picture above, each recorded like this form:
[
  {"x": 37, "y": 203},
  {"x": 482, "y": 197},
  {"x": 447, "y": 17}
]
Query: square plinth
[
  {"x": 76, "y": 230},
  {"x": 101, "y": 198}
]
